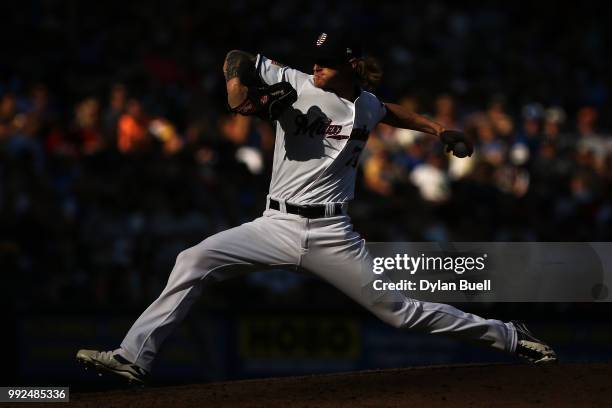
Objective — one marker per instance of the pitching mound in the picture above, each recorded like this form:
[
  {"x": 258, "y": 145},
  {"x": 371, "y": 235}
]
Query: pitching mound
[{"x": 567, "y": 385}]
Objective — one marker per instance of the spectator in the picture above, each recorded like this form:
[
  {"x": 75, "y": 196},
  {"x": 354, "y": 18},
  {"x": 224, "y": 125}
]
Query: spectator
[
  {"x": 445, "y": 111},
  {"x": 116, "y": 107},
  {"x": 500, "y": 120},
  {"x": 589, "y": 139},
  {"x": 132, "y": 128},
  {"x": 87, "y": 132},
  {"x": 432, "y": 179}
]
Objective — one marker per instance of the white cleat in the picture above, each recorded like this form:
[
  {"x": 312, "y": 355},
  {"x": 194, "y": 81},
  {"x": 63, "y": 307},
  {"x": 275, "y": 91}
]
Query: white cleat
[
  {"x": 107, "y": 362},
  {"x": 531, "y": 348}
]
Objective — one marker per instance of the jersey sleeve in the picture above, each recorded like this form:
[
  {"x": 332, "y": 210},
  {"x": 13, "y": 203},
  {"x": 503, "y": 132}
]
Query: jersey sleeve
[
  {"x": 271, "y": 72},
  {"x": 377, "y": 109},
  {"x": 381, "y": 109}
]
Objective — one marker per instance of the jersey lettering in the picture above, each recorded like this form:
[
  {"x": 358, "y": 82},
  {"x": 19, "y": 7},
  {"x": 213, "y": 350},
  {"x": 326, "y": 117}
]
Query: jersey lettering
[{"x": 319, "y": 126}]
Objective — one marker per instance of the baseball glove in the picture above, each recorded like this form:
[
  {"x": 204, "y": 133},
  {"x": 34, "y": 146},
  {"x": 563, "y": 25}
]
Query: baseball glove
[{"x": 267, "y": 101}]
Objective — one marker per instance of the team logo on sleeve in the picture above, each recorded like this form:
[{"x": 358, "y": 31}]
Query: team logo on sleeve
[
  {"x": 361, "y": 134},
  {"x": 321, "y": 39}
]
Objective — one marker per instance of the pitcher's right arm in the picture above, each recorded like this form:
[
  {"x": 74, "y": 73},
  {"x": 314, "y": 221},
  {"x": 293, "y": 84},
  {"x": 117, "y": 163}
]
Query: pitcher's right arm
[{"x": 240, "y": 74}]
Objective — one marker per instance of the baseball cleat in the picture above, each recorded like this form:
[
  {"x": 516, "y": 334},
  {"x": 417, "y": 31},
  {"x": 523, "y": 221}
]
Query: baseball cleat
[
  {"x": 107, "y": 362},
  {"x": 531, "y": 348}
]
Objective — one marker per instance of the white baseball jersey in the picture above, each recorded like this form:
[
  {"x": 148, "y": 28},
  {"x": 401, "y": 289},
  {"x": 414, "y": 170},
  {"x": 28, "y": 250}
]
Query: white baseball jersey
[{"x": 318, "y": 140}]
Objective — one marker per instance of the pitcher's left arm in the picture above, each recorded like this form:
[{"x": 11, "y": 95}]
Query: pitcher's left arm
[{"x": 455, "y": 141}]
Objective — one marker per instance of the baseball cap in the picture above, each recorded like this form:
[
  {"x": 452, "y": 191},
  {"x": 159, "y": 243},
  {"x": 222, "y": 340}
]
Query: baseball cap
[{"x": 335, "y": 48}]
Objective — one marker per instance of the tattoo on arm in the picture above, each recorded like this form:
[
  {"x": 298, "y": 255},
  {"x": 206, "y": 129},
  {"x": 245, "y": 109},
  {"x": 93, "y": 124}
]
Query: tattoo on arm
[{"x": 240, "y": 64}]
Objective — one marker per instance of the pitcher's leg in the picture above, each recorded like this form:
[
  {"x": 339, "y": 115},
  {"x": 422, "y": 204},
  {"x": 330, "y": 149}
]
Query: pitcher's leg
[
  {"x": 439, "y": 318},
  {"x": 257, "y": 244},
  {"x": 347, "y": 266},
  {"x": 145, "y": 337}
]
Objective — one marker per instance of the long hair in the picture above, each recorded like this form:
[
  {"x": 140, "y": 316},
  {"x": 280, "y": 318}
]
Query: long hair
[{"x": 368, "y": 73}]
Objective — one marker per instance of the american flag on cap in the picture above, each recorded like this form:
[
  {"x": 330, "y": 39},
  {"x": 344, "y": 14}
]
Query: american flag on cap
[{"x": 321, "y": 39}]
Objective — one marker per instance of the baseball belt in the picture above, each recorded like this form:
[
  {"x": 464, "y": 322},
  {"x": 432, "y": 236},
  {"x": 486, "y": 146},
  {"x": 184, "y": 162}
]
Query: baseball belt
[{"x": 308, "y": 211}]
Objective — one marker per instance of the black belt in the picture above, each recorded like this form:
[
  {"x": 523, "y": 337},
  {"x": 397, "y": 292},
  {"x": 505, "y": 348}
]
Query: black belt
[{"x": 307, "y": 211}]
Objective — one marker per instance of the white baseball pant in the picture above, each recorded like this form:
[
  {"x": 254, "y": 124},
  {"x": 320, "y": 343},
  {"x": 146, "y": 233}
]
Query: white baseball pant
[{"x": 326, "y": 247}]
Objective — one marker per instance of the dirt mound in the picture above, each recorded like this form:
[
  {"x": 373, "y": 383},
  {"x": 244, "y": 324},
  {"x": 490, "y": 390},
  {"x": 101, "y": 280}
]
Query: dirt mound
[{"x": 574, "y": 385}]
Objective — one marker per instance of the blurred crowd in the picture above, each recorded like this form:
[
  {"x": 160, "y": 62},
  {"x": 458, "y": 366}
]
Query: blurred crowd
[{"x": 117, "y": 152}]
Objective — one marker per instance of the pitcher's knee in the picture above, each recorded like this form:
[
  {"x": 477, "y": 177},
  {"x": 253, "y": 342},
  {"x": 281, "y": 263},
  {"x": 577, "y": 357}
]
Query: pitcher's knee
[
  {"x": 398, "y": 314},
  {"x": 186, "y": 258},
  {"x": 201, "y": 256}
]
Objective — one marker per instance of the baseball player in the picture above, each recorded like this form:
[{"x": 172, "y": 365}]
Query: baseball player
[{"x": 322, "y": 125}]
